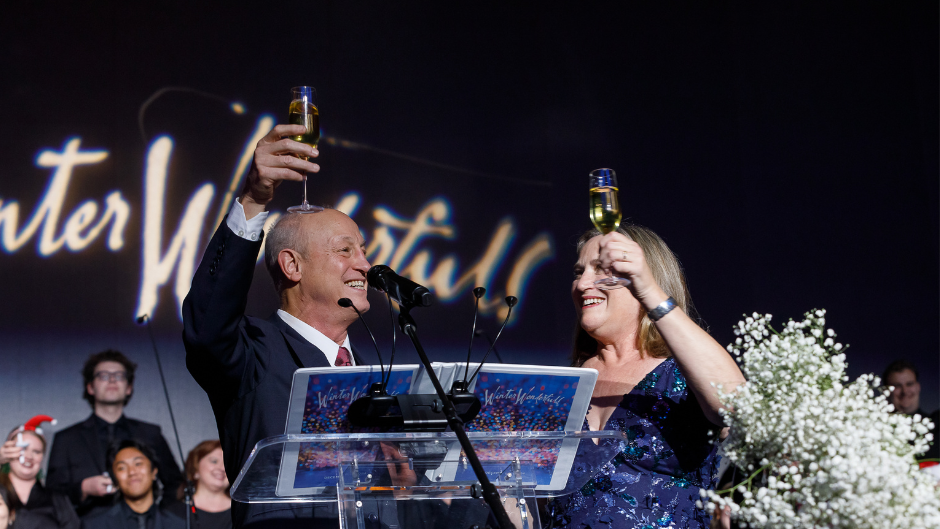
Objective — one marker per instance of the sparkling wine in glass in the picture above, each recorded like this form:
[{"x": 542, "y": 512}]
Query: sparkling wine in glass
[
  {"x": 303, "y": 111},
  {"x": 606, "y": 215}
]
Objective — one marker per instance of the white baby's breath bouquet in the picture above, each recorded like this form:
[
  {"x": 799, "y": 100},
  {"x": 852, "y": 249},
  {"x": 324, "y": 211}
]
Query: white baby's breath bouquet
[{"x": 819, "y": 451}]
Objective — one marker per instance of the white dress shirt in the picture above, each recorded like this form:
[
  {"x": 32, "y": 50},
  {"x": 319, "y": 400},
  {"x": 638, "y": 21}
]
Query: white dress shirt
[
  {"x": 251, "y": 230},
  {"x": 317, "y": 338},
  {"x": 244, "y": 228}
]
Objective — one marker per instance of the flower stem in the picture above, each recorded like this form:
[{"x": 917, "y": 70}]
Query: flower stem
[{"x": 748, "y": 480}]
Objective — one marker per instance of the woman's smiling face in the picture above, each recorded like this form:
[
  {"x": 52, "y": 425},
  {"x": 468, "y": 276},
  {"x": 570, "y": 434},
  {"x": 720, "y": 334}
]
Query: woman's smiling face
[
  {"x": 32, "y": 458},
  {"x": 606, "y": 315}
]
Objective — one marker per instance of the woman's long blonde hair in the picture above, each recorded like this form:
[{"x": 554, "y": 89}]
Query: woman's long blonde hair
[{"x": 668, "y": 274}]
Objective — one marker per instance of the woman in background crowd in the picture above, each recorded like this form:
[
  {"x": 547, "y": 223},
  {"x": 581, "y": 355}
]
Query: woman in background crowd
[
  {"x": 211, "y": 502},
  {"x": 35, "y": 507}
]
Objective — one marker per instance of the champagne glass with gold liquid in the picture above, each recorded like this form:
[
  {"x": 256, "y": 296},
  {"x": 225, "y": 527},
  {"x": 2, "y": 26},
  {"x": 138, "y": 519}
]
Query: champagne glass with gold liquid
[
  {"x": 304, "y": 111},
  {"x": 606, "y": 215}
]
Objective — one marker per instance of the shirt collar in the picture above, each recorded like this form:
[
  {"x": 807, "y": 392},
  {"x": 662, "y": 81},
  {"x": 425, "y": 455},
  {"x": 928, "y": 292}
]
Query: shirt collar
[
  {"x": 103, "y": 423},
  {"x": 315, "y": 337},
  {"x": 129, "y": 513}
]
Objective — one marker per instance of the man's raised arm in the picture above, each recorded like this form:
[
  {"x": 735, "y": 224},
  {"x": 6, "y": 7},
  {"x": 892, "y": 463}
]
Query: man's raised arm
[{"x": 215, "y": 305}]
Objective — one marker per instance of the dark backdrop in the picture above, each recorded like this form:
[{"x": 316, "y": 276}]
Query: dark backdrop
[{"x": 788, "y": 155}]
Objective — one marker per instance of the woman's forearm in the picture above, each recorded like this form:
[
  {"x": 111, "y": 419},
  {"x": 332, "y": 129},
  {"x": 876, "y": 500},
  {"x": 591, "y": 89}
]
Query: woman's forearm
[{"x": 701, "y": 360}]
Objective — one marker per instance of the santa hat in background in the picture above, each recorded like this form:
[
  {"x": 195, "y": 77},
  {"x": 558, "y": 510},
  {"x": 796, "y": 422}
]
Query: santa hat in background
[{"x": 32, "y": 425}]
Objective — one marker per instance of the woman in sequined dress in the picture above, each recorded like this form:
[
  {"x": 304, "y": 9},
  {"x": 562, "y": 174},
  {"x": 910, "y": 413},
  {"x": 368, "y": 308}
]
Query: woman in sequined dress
[{"x": 655, "y": 383}]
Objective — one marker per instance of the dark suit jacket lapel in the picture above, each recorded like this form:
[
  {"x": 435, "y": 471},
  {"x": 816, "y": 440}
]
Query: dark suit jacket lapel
[
  {"x": 308, "y": 354},
  {"x": 356, "y": 356},
  {"x": 90, "y": 436}
]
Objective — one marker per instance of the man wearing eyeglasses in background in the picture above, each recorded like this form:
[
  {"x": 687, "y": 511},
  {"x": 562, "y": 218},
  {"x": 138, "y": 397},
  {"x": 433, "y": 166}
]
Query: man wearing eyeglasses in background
[{"x": 77, "y": 459}]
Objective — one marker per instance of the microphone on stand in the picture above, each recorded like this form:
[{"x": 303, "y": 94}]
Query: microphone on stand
[
  {"x": 376, "y": 404},
  {"x": 405, "y": 291},
  {"x": 511, "y": 302}
]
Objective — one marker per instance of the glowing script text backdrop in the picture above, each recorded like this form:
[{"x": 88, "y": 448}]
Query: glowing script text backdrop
[{"x": 451, "y": 233}]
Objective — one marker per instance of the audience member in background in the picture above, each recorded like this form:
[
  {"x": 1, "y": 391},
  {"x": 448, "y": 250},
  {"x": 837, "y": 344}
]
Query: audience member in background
[
  {"x": 35, "y": 506},
  {"x": 212, "y": 504},
  {"x": 77, "y": 459},
  {"x": 135, "y": 468},
  {"x": 905, "y": 396}
]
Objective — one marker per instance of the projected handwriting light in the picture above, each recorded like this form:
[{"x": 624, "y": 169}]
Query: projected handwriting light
[
  {"x": 396, "y": 239},
  {"x": 80, "y": 228},
  {"x": 184, "y": 247},
  {"x": 432, "y": 221}
]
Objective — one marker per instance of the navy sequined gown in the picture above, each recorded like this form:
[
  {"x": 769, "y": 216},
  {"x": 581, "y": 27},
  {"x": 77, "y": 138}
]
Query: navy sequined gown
[{"x": 655, "y": 479}]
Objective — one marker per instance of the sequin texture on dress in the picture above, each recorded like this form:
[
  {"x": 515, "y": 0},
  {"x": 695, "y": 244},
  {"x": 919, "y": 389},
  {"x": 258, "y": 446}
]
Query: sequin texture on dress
[{"x": 655, "y": 478}]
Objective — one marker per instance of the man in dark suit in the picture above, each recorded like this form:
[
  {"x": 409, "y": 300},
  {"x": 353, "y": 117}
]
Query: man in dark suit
[
  {"x": 134, "y": 467},
  {"x": 77, "y": 459},
  {"x": 246, "y": 364}
]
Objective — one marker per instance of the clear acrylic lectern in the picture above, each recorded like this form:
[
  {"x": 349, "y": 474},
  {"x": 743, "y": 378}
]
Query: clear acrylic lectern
[{"x": 405, "y": 480}]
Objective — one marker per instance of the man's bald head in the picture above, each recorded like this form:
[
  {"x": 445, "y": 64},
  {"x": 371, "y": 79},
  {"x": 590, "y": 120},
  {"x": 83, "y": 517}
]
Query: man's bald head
[
  {"x": 315, "y": 260},
  {"x": 288, "y": 233},
  {"x": 298, "y": 231}
]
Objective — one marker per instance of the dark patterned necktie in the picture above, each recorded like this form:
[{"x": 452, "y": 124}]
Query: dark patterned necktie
[{"x": 342, "y": 358}]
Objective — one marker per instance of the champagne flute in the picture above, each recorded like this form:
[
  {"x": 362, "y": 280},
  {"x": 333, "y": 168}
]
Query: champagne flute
[
  {"x": 606, "y": 215},
  {"x": 304, "y": 111}
]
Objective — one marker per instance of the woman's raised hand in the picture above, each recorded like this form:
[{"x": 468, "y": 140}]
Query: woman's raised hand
[
  {"x": 625, "y": 258},
  {"x": 9, "y": 451}
]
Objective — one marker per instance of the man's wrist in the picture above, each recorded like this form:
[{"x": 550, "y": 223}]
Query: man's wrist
[{"x": 252, "y": 207}]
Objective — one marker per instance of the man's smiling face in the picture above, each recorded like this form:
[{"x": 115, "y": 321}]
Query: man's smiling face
[{"x": 334, "y": 265}]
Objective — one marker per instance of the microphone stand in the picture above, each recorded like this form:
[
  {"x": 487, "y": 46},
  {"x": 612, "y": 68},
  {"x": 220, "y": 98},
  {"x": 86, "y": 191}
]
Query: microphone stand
[
  {"x": 485, "y": 488},
  {"x": 188, "y": 488}
]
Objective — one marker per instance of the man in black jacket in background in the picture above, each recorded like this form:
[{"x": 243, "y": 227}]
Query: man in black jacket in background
[
  {"x": 134, "y": 467},
  {"x": 245, "y": 364},
  {"x": 77, "y": 464}
]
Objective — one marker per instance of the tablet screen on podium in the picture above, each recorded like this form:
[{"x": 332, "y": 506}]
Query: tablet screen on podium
[{"x": 514, "y": 398}]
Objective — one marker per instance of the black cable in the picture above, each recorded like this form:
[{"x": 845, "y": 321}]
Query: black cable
[
  {"x": 391, "y": 313},
  {"x": 484, "y": 334},
  {"x": 346, "y": 303},
  {"x": 166, "y": 393}
]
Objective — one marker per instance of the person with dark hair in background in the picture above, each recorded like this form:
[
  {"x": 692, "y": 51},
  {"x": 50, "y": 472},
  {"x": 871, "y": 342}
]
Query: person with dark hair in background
[
  {"x": 656, "y": 369},
  {"x": 212, "y": 504},
  {"x": 246, "y": 364},
  {"x": 77, "y": 459},
  {"x": 135, "y": 468},
  {"x": 35, "y": 506},
  {"x": 904, "y": 378}
]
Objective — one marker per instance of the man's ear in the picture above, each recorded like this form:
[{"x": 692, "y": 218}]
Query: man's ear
[
  {"x": 90, "y": 389},
  {"x": 129, "y": 391},
  {"x": 289, "y": 261},
  {"x": 154, "y": 474}
]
